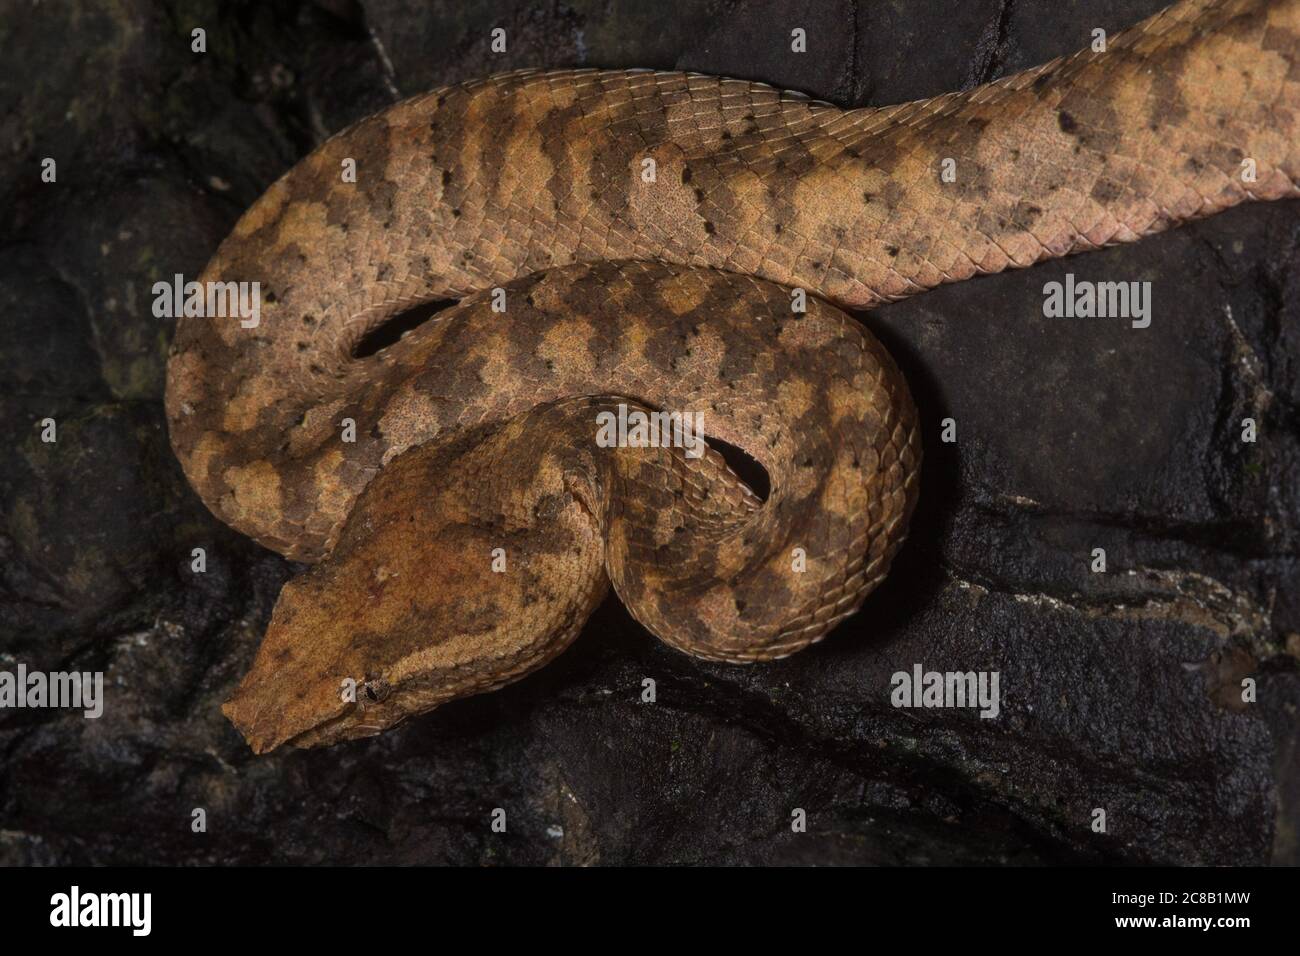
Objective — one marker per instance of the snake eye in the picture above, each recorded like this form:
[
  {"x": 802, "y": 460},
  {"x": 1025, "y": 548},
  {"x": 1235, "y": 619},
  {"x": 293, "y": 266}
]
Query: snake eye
[{"x": 377, "y": 689}]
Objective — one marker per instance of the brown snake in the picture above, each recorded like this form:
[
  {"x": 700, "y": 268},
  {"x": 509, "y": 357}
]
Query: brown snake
[{"x": 649, "y": 232}]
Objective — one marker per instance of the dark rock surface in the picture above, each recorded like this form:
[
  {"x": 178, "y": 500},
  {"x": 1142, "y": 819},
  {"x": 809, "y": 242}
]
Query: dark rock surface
[{"x": 1120, "y": 690}]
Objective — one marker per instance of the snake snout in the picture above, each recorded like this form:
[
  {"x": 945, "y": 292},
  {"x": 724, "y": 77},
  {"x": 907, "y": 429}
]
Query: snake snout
[{"x": 291, "y": 690}]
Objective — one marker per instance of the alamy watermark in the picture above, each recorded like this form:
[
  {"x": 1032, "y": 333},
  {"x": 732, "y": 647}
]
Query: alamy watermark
[
  {"x": 78, "y": 690},
  {"x": 922, "y": 688},
  {"x": 218, "y": 300},
  {"x": 1085, "y": 299},
  {"x": 75, "y": 908},
  {"x": 636, "y": 428}
]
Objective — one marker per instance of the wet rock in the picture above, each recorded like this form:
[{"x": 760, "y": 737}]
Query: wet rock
[{"x": 1121, "y": 690}]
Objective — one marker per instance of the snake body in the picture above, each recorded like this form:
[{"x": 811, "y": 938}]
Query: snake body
[{"x": 641, "y": 239}]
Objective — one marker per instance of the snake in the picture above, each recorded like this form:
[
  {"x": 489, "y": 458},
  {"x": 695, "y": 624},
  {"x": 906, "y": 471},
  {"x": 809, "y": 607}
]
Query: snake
[{"x": 560, "y": 250}]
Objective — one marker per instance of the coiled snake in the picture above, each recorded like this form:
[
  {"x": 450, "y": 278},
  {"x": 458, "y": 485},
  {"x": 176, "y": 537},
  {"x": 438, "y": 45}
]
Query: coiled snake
[{"x": 644, "y": 239}]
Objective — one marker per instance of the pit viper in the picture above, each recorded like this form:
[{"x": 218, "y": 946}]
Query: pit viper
[{"x": 623, "y": 243}]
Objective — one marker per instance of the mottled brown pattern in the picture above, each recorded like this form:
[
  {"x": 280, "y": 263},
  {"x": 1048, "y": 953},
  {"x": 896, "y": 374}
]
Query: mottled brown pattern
[{"x": 476, "y": 431}]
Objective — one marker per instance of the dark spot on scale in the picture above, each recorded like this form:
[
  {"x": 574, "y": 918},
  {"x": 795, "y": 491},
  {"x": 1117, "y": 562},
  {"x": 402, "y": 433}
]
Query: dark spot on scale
[
  {"x": 270, "y": 296},
  {"x": 302, "y": 346},
  {"x": 442, "y": 99},
  {"x": 1040, "y": 82},
  {"x": 867, "y": 197},
  {"x": 726, "y": 134},
  {"x": 699, "y": 194},
  {"x": 686, "y": 174},
  {"x": 892, "y": 250},
  {"x": 740, "y": 606},
  {"x": 376, "y": 432},
  {"x": 808, "y": 462},
  {"x": 708, "y": 227},
  {"x": 446, "y": 178},
  {"x": 309, "y": 319},
  {"x": 778, "y": 228},
  {"x": 1105, "y": 191},
  {"x": 1066, "y": 122},
  {"x": 455, "y": 213},
  {"x": 315, "y": 369}
]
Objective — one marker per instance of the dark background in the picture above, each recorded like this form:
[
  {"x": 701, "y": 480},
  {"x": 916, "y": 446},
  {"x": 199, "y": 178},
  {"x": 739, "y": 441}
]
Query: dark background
[{"x": 1119, "y": 690}]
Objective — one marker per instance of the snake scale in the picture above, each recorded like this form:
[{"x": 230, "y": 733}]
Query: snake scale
[{"x": 464, "y": 535}]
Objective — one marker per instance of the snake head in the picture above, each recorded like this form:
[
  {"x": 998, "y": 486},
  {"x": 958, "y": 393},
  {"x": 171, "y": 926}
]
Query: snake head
[
  {"x": 307, "y": 685},
  {"x": 407, "y": 612},
  {"x": 371, "y": 635}
]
